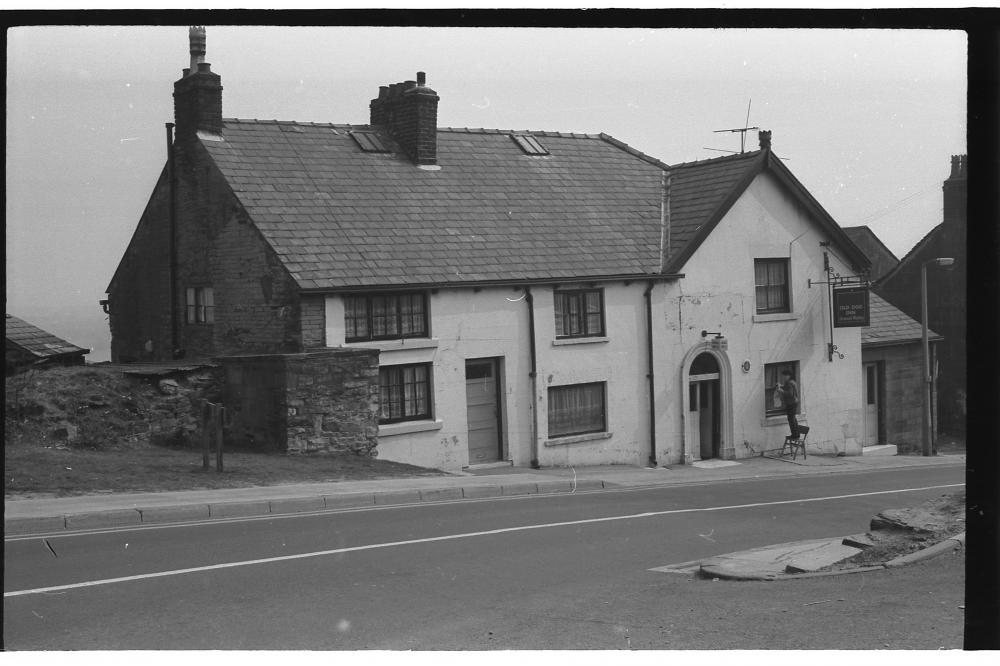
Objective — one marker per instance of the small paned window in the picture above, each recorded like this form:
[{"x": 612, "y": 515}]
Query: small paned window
[
  {"x": 529, "y": 144},
  {"x": 385, "y": 316},
  {"x": 369, "y": 142},
  {"x": 771, "y": 285},
  {"x": 200, "y": 302},
  {"x": 774, "y": 404},
  {"x": 404, "y": 392},
  {"x": 579, "y": 313},
  {"x": 577, "y": 409}
]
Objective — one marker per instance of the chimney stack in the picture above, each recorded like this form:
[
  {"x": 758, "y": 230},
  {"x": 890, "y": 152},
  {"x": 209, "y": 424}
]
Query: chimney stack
[
  {"x": 198, "y": 93},
  {"x": 956, "y": 192},
  {"x": 408, "y": 112},
  {"x": 764, "y": 137}
]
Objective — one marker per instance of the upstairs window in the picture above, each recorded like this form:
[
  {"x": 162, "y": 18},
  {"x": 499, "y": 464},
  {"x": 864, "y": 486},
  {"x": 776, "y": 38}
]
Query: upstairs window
[
  {"x": 200, "y": 305},
  {"x": 385, "y": 316},
  {"x": 579, "y": 313},
  {"x": 771, "y": 285},
  {"x": 529, "y": 144}
]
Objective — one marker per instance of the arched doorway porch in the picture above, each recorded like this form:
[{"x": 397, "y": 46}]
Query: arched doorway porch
[{"x": 707, "y": 394}]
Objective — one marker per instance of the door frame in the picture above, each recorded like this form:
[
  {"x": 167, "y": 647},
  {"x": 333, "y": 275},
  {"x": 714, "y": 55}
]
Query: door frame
[
  {"x": 881, "y": 435},
  {"x": 496, "y": 363},
  {"x": 727, "y": 447}
]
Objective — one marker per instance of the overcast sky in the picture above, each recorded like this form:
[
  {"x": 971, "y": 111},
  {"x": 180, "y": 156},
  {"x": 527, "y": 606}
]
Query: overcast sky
[{"x": 866, "y": 119}]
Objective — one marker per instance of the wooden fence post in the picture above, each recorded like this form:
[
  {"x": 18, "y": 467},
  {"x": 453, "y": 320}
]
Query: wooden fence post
[
  {"x": 217, "y": 411},
  {"x": 206, "y": 433}
]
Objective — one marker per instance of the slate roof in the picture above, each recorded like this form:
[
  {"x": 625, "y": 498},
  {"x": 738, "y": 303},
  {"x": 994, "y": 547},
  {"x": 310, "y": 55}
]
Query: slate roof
[
  {"x": 889, "y": 325},
  {"x": 37, "y": 342},
  {"x": 339, "y": 217},
  {"x": 882, "y": 258},
  {"x": 342, "y": 218}
]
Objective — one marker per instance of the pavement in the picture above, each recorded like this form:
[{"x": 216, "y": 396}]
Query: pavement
[{"x": 53, "y": 516}]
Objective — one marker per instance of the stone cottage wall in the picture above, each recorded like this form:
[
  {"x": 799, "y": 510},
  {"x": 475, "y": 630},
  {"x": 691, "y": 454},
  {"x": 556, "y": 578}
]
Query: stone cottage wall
[{"x": 324, "y": 401}]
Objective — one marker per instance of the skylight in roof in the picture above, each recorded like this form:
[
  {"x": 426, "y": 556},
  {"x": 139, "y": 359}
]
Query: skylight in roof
[
  {"x": 529, "y": 144},
  {"x": 369, "y": 142}
]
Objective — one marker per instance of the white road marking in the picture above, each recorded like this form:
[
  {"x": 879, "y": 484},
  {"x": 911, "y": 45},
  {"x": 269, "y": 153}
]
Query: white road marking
[{"x": 451, "y": 537}]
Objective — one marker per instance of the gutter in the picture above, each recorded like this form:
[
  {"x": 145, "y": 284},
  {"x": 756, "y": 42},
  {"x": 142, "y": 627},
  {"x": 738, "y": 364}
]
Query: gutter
[
  {"x": 529, "y": 298},
  {"x": 479, "y": 284},
  {"x": 647, "y": 294}
]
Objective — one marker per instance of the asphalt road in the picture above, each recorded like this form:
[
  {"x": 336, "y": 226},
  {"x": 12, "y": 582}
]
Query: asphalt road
[{"x": 533, "y": 572}]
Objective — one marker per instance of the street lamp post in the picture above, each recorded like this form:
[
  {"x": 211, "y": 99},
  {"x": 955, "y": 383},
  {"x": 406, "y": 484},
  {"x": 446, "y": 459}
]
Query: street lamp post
[{"x": 928, "y": 379}]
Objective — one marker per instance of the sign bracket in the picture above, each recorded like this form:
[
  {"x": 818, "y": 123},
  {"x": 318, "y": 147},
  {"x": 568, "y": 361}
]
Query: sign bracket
[{"x": 845, "y": 284}]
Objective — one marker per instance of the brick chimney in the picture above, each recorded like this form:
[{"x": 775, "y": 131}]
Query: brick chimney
[
  {"x": 956, "y": 191},
  {"x": 408, "y": 112},
  {"x": 198, "y": 94}
]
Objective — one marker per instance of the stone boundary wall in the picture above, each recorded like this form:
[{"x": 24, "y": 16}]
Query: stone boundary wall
[{"x": 324, "y": 401}]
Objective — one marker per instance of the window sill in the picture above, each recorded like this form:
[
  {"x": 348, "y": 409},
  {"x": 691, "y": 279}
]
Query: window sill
[
  {"x": 394, "y": 345},
  {"x": 782, "y": 420},
  {"x": 578, "y": 341},
  {"x": 577, "y": 439},
  {"x": 407, "y": 427},
  {"x": 777, "y": 316}
]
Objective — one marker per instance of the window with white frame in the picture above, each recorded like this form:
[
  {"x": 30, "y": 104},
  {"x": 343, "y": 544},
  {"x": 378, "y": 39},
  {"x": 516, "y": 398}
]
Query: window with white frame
[
  {"x": 773, "y": 375},
  {"x": 579, "y": 313},
  {"x": 200, "y": 303},
  {"x": 771, "y": 285},
  {"x": 577, "y": 409},
  {"x": 404, "y": 392},
  {"x": 388, "y": 316}
]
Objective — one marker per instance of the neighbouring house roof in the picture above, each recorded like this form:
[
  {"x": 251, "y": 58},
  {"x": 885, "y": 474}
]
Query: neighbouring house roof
[
  {"x": 882, "y": 258},
  {"x": 928, "y": 238},
  {"x": 40, "y": 344},
  {"x": 888, "y": 325},
  {"x": 341, "y": 217}
]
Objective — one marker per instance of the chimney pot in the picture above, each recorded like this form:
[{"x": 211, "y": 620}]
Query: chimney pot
[
  {"x": 421, "y": 78},
  {"x": 204, "y": 68},
  {"x": 764, "y": 136},
  {"x": 196, "y": 38}
]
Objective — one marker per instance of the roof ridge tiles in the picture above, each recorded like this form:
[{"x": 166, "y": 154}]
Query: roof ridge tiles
[
  {"x": 746, "y": 155},
  {"x": 486, "y": 130}
]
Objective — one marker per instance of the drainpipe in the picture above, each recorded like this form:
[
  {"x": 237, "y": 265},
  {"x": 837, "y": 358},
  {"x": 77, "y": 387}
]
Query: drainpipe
[
  {"x": 172, "y": 240},
  {"x": 534, "y": 377},
  {"x": 649, "y": 373}
]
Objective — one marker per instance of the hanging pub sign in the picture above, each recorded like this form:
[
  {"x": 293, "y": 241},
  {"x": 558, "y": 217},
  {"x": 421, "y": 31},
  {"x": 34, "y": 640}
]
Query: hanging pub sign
[{"x": 850, "y": 307}]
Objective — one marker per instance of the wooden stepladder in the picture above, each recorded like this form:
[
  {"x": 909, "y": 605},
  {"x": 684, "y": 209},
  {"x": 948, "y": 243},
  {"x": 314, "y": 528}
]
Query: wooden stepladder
[{"x": 212, "y": 420}]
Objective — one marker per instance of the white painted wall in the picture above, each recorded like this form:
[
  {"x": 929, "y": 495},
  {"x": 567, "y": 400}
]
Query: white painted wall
[
  {"x": 493, "y": 322},
  {"x": 717, "y": 294},
  {"x": 465, "y": 324}
]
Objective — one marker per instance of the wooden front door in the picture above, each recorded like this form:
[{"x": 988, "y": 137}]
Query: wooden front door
[{"x": 483, "y": 410}]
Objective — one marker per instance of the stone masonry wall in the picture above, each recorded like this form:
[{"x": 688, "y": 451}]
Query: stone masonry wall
[
  {"x": 313, "y": 321},
  {"x": 332, "y": 401},
  {"x": 325, "y": 401}
]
